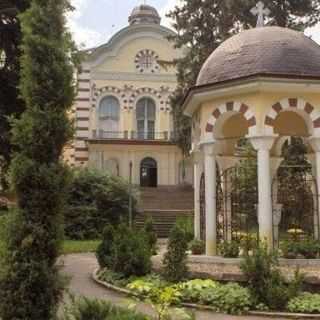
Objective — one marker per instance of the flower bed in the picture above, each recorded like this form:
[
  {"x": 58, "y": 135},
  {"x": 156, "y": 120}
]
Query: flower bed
[{"x": 230, "y": 298}]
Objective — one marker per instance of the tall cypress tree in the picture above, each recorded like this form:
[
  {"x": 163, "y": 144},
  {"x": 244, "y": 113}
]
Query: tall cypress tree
[
  {"x": 202, "y": 25},
  {"x": 30, "y": 287}
]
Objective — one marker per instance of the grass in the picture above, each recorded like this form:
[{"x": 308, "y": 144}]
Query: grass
[{"x": 79, "y": 246}]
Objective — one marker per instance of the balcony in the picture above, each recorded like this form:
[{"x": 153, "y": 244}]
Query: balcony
[{"x": 133, "y": 135}]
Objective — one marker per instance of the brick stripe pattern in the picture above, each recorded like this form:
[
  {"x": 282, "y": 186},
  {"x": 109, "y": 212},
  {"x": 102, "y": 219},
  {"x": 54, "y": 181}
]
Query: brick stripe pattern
[
  {"x": 82, "y": 118},
  {"x": 293, "y": 104},
  {"x": 231, "y": 106}
]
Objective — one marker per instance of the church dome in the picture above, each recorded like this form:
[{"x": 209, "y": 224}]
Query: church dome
[
  {"x": 267, "y": 51},
  {"x": 144, "y": 14}
]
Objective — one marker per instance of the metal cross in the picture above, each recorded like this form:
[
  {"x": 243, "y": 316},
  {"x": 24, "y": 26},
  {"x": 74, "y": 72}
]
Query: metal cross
[{"x": 260, "y": 11}]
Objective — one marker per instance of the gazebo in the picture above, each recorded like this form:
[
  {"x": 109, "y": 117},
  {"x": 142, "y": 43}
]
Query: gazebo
[{"x": 262, "y": 85}]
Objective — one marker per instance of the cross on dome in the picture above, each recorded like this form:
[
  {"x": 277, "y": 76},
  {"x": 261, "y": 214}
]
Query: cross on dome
[{"x": 260, "y": 11}]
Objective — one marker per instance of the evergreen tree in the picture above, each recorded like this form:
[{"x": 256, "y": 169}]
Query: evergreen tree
[
  {"x": 10, "y": 103},
  {"x": 30, "y": 286},
  {"x": 202, "y": 25}
]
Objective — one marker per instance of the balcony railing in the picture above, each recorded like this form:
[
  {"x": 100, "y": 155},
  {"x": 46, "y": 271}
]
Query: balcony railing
[{"x": 133, "y": 135}]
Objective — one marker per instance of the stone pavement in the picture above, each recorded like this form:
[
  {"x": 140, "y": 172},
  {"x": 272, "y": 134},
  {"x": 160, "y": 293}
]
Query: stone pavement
[{"x": 80, "y": 267}]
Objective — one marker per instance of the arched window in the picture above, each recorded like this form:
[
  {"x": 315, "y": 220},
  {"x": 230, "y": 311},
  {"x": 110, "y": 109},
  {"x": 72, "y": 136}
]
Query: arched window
[
  {"x": 112, "y": 166},
  {"x": 146, "y": 118},
  {"x": 109, "y": 116}
]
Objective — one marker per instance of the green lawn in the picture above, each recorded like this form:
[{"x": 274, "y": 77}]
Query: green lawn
[{"x": 79, "y": 246}]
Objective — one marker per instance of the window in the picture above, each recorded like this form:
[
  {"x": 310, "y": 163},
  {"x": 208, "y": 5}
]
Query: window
[
  {"x": 109, "y": 116},
  {"x": 146, "y": 116},
  {"x": 112, "y": 166}
]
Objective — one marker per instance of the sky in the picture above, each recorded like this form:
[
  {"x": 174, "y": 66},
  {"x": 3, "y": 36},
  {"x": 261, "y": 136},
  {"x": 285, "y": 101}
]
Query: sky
[{"x": 93, "y": 22}]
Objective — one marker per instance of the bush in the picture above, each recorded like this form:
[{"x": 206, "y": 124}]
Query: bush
[
  {"x": 104, "y": 251},
  {"x": 197, "y": 247},
  {"x": 151, "y": 235},
  {"x": 186, "y": 224},
  {"x": 305, "y": 303},
  {"x": 85, "y": 309},
  {"x": 229, "y": 249},
  {"x": 265, "y": 281},
  {"x": 95, "y": 199},
  {"x": 124, "y": 251},
  {"x": 175, "y": 259},
  {"x": 191, "y": 290},
  {"x": 230, "y": 298},
  {"x": 308, "y": 248}
]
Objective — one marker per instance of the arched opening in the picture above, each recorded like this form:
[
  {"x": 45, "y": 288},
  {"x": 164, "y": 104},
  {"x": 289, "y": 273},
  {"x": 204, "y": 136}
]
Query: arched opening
[
  {"x": 146, "y": 119},
  {"x": 149, "y": 173},
  {"x": 112, "y": 166},
  {"x": 109, "y": 117}
]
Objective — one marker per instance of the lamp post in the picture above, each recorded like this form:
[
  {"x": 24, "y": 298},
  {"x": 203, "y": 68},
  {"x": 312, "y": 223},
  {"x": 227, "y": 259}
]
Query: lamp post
[{"x": 130, "y": 196}]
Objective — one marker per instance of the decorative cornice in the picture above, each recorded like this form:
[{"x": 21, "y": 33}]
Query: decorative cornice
[{"x": 127, "y": 76}]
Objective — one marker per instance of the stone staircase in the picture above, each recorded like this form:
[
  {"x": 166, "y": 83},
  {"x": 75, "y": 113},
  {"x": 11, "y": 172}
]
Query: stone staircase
[{"x": 165, "y": 205}]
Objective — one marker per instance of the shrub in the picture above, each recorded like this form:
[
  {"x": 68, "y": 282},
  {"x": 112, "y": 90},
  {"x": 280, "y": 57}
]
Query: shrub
[
  {"x": 95, "y": 199},
  {"x": 308, "y": 248},
  {"x": 230, "y": 298},
  {"x": 229, "y": 249},
  {"x": 175, "y": 259},
  {"x": 144, "y": 286},
  {"x": 86, "y": 309},
  {"x": 265, "y": 281},
  {"x": 151, "y": 235},
  {"x": 191, "y": 290},
  {"x": 130, "y": 253},
  {"x": 305, "y": 303},
  {"x": 186, "y": 224},
  {"x": 104, "y": 251},
  {"x": 197, "y": 247}
]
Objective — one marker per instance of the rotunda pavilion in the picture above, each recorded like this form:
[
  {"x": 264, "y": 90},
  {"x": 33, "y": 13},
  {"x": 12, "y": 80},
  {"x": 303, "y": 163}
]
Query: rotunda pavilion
[{"x": 263, "y": 85}]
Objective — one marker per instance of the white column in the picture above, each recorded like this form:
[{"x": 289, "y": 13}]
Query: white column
[
  {"x": 263, "y": 144},
  {"x": 196, "y": 178},
  {"x": 211, "y": 209},
  {"x": 315, "y": 143}
]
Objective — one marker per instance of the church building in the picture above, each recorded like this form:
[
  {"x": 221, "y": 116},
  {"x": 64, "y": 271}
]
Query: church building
[{"x": 123, "y": 116}]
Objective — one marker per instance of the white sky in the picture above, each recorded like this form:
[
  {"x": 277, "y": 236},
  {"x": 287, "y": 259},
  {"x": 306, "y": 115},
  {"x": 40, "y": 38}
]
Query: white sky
[{"x": 93, "y": 22}]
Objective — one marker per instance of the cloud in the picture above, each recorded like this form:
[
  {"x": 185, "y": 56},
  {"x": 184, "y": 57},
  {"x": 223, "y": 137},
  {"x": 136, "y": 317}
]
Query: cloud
[
  {"x": 314, "y": 33},
  {"x": 167, "y": 22},
  {"x": 83, "y": 36}
]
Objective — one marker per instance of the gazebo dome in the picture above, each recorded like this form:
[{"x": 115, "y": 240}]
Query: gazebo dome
[
  {"x": 267, "y": 51},
  {"x": 144, "y": 14}
]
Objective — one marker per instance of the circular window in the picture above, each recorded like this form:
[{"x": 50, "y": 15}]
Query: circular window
[{"x": 146, "y": 61}]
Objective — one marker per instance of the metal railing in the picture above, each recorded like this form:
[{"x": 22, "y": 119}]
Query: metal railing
[{"x": 133, "y": 135}]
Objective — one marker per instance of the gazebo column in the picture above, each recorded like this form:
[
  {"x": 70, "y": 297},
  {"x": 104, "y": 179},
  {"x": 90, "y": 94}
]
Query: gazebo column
[
  {"x": 211, "y": 201},
  {"x": 315, "y": 143},
  {"x": 197, "y": 176},
  {"x": 263, "y": 144}
]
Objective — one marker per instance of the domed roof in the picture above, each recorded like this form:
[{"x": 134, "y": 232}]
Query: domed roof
[
  {"x": 262, "y": 51},
  {"x": 144, "y": 14}
]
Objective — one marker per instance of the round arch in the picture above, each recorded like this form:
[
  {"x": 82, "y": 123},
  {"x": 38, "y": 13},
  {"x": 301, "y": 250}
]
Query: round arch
[
  {"x": 226, "y": 110},
  {"x": 297, "y": 105},
  {"x": 148, "y": 172}
]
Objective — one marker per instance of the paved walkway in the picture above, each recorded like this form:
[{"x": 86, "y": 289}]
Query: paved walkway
[{"x": 80, "y": 267}]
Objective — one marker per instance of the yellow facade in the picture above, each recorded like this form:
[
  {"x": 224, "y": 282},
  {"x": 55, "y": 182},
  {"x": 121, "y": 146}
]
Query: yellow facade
[{"x": 134, "y": 71}]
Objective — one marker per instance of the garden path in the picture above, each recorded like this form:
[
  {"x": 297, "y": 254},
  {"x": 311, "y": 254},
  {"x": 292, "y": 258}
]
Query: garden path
[{"x": 80, "y": 267}]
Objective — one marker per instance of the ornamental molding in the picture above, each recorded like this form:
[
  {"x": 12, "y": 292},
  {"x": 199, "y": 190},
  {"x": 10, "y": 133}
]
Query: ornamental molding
[{"x": 126, "y": 76}]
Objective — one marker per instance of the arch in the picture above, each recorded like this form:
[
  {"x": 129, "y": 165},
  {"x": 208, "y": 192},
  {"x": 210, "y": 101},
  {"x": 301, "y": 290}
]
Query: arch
[
  {"x": 109, "y": 115},
  {"x": 148, "y": 173},
  {"x": 146, "y": 118},
  {"x": 112, "y": 166},
  {"x": 297, "y": 105},
  {"x": 230, "y": 107}
]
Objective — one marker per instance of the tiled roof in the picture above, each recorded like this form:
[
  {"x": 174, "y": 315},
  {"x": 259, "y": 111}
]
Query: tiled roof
[{"x": 263, "y": 51}]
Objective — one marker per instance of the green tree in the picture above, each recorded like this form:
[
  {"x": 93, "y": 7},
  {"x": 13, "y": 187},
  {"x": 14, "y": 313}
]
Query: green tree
[
  {"x": 202, "y": 25},
  {"x": 10, "y": 103},
  {"x": 30, "y": 286}
]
